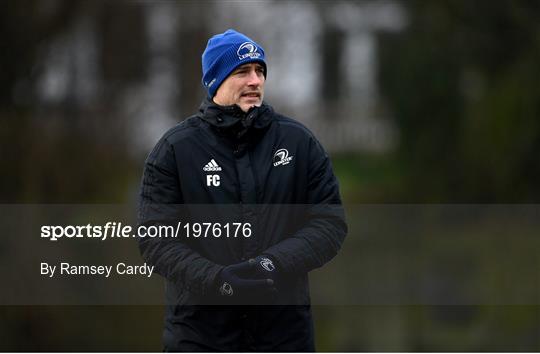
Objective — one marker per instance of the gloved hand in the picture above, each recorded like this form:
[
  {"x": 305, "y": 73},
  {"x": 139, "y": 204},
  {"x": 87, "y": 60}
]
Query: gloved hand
[
  {"x": 264, "y": 268},
  {"x": 240, "y": 281}
]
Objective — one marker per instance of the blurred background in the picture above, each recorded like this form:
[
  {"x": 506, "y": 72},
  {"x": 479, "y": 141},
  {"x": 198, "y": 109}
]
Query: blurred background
[{"x": 417, "y": 102}]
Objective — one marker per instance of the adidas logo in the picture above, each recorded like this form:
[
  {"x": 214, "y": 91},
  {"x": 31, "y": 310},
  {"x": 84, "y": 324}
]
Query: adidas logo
[{"x": 212, "y": 166}]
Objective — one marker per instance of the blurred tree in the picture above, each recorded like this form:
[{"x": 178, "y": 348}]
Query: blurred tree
[
  {"x": 462, "y": 84},
  {"x": 193, "y": 35},
  {"x": 58, "y": 150},
  {"x": 24, "y": 26},
  {"x": 332, "y": 64}
]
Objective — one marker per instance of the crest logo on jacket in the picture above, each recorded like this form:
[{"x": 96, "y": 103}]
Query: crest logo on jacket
[
  {"x": 281, "y": 157},
  {"x": 247, "y": 50}
]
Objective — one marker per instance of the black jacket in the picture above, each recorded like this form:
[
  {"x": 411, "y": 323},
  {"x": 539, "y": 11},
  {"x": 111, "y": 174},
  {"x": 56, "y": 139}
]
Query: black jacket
[{"x": 274, "y": 175}]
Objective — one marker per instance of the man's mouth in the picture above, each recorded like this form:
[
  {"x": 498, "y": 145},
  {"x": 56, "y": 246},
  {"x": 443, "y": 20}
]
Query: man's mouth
[{"x": 251, "y": 95}]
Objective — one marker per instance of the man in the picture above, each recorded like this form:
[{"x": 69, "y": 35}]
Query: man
[{"x": 237, "y": 162}]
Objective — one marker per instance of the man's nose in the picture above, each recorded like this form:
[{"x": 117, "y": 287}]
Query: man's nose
[{"x": 254, "y": 79}]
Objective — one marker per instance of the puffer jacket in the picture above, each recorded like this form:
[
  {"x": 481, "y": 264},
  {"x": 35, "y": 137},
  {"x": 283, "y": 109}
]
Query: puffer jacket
[{"x": 261, "y": 169}]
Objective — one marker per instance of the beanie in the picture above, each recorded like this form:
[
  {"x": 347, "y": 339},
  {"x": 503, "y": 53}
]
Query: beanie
[{"x": 224, "y": 53}]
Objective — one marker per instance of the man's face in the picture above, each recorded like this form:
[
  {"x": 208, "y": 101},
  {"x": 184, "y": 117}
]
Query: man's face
[{"x": 244, "y": 87}]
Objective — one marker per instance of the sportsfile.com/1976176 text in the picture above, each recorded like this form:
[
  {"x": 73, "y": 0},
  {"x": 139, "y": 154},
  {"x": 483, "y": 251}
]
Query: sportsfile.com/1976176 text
[{"x": 118, "y": 230}]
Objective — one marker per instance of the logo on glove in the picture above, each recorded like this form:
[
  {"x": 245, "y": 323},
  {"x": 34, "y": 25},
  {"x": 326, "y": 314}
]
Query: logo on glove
[
  {"x": 267, "y": 264},
  {"x": 226, "y": 289}
]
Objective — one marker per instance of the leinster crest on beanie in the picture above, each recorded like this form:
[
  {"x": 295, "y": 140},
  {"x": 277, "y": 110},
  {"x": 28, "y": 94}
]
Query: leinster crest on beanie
[{"x": 224, "y": 53}]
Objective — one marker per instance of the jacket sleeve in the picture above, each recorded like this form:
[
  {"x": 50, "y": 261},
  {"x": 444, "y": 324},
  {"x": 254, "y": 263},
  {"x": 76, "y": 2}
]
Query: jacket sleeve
[
  {"x": 319, "y": 240},
  {"x": 161, "y": 204}
]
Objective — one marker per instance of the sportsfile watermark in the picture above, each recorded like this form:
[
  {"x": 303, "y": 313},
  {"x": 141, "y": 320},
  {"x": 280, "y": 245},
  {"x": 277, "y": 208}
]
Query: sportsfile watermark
[
  {"x": 393, "y": 254},
  {"x": 118, "y": 230}
]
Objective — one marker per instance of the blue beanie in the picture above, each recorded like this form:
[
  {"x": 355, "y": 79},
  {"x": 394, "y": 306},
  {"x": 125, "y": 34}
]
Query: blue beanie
[{"x": 224, "y": 53}]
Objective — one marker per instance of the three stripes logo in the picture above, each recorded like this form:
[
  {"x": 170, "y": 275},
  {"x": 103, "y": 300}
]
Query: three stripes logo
[{"x": 212, "y": 166}]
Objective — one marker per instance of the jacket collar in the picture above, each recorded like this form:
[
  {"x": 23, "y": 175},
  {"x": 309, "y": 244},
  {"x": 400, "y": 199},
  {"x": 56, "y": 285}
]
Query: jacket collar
[{"x": 233, "y": 118}]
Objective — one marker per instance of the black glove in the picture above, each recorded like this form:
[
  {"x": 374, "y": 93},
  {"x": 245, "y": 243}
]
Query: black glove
[
  {"x": 264, "y": 268},
  {"x": 239, "y": 281}
]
